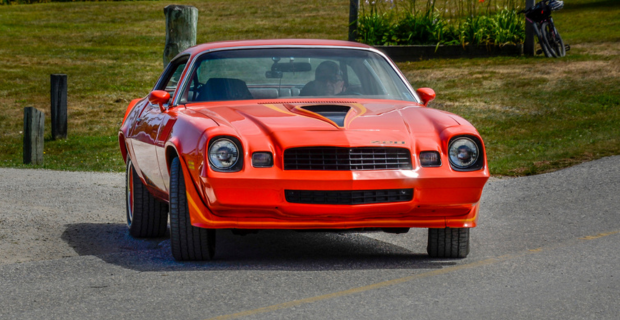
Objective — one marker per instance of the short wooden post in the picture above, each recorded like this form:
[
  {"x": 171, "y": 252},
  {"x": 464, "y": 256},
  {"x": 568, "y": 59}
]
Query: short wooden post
[
  {"x": 354, "y": 6},
  {"x": 34, "y": 121},
  {"x": 58, "y": 96},
  {"x": 181, "y": 25},
  {"x": 528, "y": 46}
]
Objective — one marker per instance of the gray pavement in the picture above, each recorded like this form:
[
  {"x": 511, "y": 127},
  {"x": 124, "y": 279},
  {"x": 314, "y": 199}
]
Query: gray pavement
[{"x": 546, "y": 247}]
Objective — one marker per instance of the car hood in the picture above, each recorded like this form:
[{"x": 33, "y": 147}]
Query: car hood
[{"x": 324, "y": 122}]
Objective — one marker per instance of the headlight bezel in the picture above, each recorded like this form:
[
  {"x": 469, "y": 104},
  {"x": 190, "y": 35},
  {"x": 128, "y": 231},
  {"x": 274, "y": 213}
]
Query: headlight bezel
[
  {"x": 238, "y": 165},
  {"x": 478, "y": 164}
]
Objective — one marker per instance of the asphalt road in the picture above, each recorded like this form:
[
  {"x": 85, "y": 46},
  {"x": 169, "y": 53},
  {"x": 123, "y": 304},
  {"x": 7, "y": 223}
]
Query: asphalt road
[{"x": 546, "y": 248}]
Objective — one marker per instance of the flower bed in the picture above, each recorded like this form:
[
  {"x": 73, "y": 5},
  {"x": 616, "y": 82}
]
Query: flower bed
[{"x": 465, "y": 23}]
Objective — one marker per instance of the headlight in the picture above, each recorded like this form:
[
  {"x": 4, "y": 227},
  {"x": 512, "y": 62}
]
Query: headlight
[
  {"x": 464, "y": 153},
  {"x": 223, "y": 154}
]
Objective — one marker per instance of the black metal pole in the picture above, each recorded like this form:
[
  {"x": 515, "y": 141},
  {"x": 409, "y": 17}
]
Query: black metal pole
[
  {"x": 59, "y": 106},
  {"x": 528, "y": 46},
  {"x": 353, "y": 14}
]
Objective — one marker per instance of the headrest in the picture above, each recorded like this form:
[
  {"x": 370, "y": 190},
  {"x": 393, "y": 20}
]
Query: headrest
[{"x": 223, "y": 89}]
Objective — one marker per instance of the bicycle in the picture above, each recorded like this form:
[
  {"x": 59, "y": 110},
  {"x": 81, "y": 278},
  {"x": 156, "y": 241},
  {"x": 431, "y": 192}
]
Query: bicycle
[{"x": 548, "y": 36}]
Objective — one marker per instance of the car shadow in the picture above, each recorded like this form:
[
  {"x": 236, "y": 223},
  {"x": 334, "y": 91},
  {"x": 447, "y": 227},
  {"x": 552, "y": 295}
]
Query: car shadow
[{"x": 266, "y": 250}]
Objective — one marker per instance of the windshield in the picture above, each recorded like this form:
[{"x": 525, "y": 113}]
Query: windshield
[{"x": 294, "y": 72}]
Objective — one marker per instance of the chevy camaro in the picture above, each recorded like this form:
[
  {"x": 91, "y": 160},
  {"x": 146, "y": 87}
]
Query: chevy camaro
[{"x": 296, "y": 134}]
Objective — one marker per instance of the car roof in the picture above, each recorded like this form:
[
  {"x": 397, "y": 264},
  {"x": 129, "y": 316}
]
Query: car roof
[{"x": 272, "y": 42}]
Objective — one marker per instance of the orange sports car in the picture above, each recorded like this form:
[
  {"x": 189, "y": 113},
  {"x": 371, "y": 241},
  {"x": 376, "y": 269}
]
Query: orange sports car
[{"x": 296, "y": 134}]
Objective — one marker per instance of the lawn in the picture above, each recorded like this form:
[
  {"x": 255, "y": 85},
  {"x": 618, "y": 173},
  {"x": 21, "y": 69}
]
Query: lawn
[{"x": 535, "y": 114}]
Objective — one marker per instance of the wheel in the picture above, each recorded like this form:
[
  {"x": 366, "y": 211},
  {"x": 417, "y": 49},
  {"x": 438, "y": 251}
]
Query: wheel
[
  {"x": 561, "y": 48},
  {"x": 541, "y": 41},
  {"x": 545, "y": 47},
  {"x": 551, "y": 37},
  {"x": 448, "y": 243},
  {"x": 147, "y": 217},
  {"x": 188, "y": 243}
]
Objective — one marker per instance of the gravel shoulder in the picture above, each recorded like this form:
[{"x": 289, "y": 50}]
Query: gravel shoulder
[{"x": 41, "y": 206}]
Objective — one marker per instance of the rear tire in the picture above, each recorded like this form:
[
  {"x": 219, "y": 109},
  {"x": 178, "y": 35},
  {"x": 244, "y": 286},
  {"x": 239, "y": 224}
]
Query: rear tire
[
  {"x": 147, "y": 217},
  {"x": 448, "y": 243},
  {"x": 188, "y": 243}
]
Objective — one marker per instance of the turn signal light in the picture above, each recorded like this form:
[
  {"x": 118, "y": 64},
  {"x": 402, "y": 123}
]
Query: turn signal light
[
  {"x": 262, "y": 160},
  {"x": 430, "y": 159}
]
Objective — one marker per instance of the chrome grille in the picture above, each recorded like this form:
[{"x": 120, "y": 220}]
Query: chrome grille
[
  {"x": 348, "y": 196},
  {"x": 347, "y": 159}
]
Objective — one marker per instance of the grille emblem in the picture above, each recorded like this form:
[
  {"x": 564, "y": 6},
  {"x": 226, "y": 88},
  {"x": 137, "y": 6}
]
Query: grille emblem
[{"x": 387, "y": 142}]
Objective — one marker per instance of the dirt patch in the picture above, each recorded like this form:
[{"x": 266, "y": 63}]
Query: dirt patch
[{"x": 608, "y": 49}]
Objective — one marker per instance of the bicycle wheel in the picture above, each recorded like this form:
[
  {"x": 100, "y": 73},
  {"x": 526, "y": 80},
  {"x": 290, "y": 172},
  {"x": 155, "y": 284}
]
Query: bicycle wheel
[
  {"x": 541, "y": 41},
  {"x": 552, "y": 39},
  {"x": 560, "y": 43}
]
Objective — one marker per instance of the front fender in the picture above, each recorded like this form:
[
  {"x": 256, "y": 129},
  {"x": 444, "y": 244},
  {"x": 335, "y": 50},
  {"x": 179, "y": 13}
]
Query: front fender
[{"x": 187, "y": 140}]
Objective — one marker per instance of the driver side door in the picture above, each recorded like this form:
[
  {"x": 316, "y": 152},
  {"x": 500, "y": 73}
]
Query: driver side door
[{"x": 148, "y": 126}]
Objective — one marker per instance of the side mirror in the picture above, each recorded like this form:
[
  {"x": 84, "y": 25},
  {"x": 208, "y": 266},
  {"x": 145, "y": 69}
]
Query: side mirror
[
  {"x": 426, "y": 94},
  {"x": 159, "y": 97}
]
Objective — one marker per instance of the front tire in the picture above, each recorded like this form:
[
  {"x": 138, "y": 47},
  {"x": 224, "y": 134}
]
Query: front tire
[
  {"x": 188, "y": 243},
  {"x": 147, "y": 217},
  {"x": 448, "y": 243},
  {"x": 553, "y": 40}
]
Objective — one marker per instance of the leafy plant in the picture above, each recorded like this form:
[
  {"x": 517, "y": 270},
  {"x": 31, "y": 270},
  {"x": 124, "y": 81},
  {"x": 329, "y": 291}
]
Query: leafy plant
[
  {"x": 460, "y": 22},
  {"x": 375, "y": 27}
]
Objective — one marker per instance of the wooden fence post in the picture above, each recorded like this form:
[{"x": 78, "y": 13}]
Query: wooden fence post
[
  {"x": 354, "y": 6},
  {"x": 59, "y": 106},
  {"x": 528, "y": 46},
  {"x": 181, "y": 25},
  {"x": 34, "y": 121}
]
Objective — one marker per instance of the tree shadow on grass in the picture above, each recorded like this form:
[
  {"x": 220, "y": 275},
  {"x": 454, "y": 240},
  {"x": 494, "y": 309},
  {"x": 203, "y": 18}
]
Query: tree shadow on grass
[{"x": 266, "y": 250}]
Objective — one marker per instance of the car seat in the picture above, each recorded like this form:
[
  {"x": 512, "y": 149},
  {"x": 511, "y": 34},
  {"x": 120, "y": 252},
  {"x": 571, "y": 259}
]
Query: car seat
[{"x": 223, "y": 89}]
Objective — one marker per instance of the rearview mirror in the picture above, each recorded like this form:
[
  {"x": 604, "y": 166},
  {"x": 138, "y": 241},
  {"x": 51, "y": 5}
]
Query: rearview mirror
[
  {"x": 159, "y": 97},
  {"x": 278, "y": 68},
  {"x": 426, "y": 94}
]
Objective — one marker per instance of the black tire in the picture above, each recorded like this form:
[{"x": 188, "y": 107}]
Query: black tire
[
  {"x": 147, "y": 217},
  {"x": 553, "y": 40},
  {"x": 559, "y": 43},
  {"x": 188, "y": 243},
  {"x": 545, "y": 48},
  {"x": 448, "y": 243},
  {"x": 541, "y": 41}
]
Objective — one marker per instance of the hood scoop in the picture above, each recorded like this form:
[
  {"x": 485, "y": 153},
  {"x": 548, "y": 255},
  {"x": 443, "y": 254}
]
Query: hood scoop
[{"x": 335, "y": 113}]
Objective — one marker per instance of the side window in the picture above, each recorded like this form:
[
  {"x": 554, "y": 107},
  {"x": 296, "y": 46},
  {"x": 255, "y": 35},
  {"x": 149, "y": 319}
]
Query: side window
[{"x": 173, "y": 73}]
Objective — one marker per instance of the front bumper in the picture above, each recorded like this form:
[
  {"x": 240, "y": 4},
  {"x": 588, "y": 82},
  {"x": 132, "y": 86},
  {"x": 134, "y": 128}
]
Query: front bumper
[{"x": 255, "y": 199}]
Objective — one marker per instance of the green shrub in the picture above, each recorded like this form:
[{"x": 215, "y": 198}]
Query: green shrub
[
  {"x": 502, "y": 27},
  {"x": 375, "y": 28},
  {"x": 465, "y": 22}
]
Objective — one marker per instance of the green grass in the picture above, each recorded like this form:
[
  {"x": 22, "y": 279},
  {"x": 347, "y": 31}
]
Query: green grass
[
  {"x": 112, "y": 52},
  {"x": 535, "y": 114}
]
